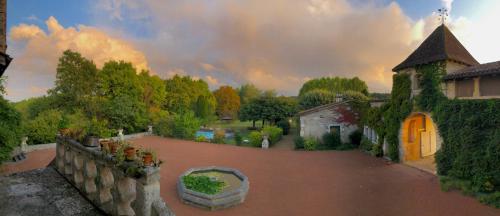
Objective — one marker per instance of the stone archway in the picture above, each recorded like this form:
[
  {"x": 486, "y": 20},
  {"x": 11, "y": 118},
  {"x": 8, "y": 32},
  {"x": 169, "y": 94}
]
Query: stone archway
[{"x": 419, "y": 137}]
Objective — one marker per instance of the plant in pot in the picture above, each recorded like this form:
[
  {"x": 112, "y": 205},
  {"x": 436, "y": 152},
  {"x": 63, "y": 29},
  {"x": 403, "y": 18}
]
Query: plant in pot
[
  {"x": 128, "y": 150},
  {"x": 149, "y": 157},
  {"x": 63, "y": 126},
  {"x": 92, "y": 137}
]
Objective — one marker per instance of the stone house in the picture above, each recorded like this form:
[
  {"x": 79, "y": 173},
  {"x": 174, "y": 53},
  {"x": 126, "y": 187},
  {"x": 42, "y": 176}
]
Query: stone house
[
  {"x": 464, "y": 78},
  {"x": 336, "y": 117}
]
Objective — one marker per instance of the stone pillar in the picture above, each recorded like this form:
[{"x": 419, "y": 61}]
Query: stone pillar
[{"x": 148, "y": 192}]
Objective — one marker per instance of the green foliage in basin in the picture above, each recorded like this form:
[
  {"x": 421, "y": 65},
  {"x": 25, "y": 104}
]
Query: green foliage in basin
[{"x": 203, "y": 184}]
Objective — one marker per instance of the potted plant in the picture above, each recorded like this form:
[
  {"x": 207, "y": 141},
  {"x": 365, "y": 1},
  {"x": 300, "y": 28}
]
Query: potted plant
[
  {"x": 148, "y": 157},
  {"x": 129, "y": 151},
  {"x": 63, "y": 126},
  {"x": 92, "y": 138}
]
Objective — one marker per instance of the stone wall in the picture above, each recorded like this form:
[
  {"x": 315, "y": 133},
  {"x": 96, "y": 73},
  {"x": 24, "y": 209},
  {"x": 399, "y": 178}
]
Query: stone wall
[
  {"x": 106, "y": 185},
  {"x": 316, "y": 124}
]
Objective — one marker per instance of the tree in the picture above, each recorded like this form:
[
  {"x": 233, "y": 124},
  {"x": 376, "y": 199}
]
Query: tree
[
  {"x": 119, "y": 79},
  {"x": 76, "y": 81},
  {"x": 183, "y": 92},
  {"x": 335, "y": 85},
  {"x": 228, "y": 102},
  {"x": 272, "y": 109},
  {"x": 153, "y": 90},
  {"x": 127, "y": 113},
  {"x": 43, "y": 128},
  {"x": 316, "y": 97},
  {"x": 203, "y": 108},
  {"x": 248, "y": 92}
]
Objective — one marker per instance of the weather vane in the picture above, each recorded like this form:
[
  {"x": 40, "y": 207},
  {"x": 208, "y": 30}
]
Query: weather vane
[{"x": 443, "y": 14}]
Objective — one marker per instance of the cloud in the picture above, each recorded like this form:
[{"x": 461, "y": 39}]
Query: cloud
[
  {"x": 277, "y": 44},
  {"x": 36, "y": 52}
]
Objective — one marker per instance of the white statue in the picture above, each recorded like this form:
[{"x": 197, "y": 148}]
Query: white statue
[
  {"x": 120, "y": 135},
  {"x": 265, "y": 142},
  {"x": 24, "y": 144},
  {"x": 150, "y": 129}
]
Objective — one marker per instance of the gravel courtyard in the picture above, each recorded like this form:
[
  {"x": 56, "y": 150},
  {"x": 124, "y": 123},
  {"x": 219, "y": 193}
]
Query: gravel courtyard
[{"x": 287, "y": 182}]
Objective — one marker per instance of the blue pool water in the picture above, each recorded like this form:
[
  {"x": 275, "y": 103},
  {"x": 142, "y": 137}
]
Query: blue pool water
[{"x": 207, "y": 134}]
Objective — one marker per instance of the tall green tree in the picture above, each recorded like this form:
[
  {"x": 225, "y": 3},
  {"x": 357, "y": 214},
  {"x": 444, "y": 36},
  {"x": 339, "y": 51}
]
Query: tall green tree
[
  {"x": 203, "y": 108},
  {"x": 335, "y": 85},
  {"x": 183, "y": 92},
  {"x": 248, "y": 92},
  {"x": 316, "y": 97},
  {"x": 154, "y": 90},
  {"x": 120, "y": 79},
  {"x": 10, "y": 125},
  {"x": 271, "y": 109},
  {"x": 228, "y": 102},
  {"x": 76, "y": 81}
]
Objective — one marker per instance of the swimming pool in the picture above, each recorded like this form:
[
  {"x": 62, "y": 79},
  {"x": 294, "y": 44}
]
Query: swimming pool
[{"x": 208, "y": 134}]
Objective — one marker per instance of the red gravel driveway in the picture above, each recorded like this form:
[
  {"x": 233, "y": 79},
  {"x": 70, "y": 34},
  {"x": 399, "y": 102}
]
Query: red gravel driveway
[{"x": 285, "y": 182}]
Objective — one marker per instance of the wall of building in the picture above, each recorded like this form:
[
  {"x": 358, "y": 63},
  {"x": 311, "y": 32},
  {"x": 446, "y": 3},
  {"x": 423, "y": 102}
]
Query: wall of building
[{"x": 318, "y": 123}]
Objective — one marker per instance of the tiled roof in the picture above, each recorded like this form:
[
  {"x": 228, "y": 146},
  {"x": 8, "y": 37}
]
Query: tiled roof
[
  {"x": 474, "y": 71},
  {"x": 440, "y": 45}
]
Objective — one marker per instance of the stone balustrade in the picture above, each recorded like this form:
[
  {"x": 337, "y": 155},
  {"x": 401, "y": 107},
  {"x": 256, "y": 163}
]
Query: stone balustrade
[{"x": 106, "y": 185}]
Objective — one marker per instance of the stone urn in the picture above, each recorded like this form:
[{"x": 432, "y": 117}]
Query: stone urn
[
  {"x": 24, "y": 144},
  {"x": 265, "y": 142},
  {"x": 150, "y": 129}
]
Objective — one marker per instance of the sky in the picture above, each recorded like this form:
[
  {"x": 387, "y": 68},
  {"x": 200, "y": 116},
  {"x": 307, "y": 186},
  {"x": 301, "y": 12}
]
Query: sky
[{"x": 277, "y": 44}]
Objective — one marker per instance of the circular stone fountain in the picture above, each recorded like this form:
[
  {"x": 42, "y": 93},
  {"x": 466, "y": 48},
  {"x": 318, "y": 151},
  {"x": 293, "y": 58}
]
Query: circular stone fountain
[{"x": 233, "y": 193}]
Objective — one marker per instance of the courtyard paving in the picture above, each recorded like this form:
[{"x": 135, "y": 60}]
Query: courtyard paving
[{"x": 287, "y": 182}]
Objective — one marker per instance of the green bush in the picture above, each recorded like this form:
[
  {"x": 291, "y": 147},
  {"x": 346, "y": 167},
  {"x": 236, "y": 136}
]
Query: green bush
[
  {"x": 284, "y": 125},
  {"x": 182, "y": 126},
  {"x": 355, "y": 137},
  {"x": 200, "y": 139},
  {"x": 299, "y": 142},
  {"x": 311, "y": 143},
  {"x": 377, "y": 150},
  {"x": 219, "y": 136},
  {"x": 255, "y": 138},
  {"x": 366, "y": 144},
  {"x": 98, "y": 128},
  {"x": 10, "y": 126},
  {"x": 275, "y": 133},
  {"x": 331, "y": 140},
  {"x": 238, "y": 138},
  {"x": 44, "y": 127}
]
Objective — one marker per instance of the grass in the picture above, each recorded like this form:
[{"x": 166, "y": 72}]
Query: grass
[{"x": 203, "y": 184}]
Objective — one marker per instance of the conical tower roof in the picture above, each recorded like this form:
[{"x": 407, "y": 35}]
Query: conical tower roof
[{"x": 440, "y": 45}]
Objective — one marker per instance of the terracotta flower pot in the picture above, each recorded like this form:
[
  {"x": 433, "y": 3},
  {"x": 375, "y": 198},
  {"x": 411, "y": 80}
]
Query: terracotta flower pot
[
  {"x": 147, "y": 159},
  {"x": 129, "y": 153},
  {"x": 113, "y": 147}
]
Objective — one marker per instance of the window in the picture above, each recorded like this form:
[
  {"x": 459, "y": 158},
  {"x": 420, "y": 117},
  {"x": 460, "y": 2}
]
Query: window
[
  {"x": 334, "y": 129},
  {"x": 489, "y": 86},
  {"x": 464, "y": 88}
]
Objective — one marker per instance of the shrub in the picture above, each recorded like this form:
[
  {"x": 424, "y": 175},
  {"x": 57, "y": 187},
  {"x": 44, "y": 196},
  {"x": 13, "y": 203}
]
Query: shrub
[
  {"x": 200, "y": 139},
  {"x": 43, "y": 128},
  {"x": 238, "y": 138},
  {"x": 377, "y": 150},
  {"x": 219, "y": 136},
  {"x": 366, "y": 144},
  {"x": 98, "y": 128},
  {"x": 10, "y": 125},
  {"x": 299, "y": 142},
  {"x": 331, "y": 140},
  {"x": 284, "y": 125},
  {"x": 275, "y": 133},
  {"x": 255, "y": 138},
  {"x": 355, "y": 137},
  {"x": 310, "y": 143},
  {"x": 182, "y": 126}
]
